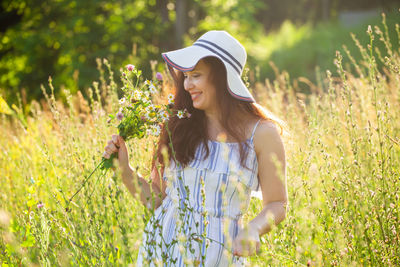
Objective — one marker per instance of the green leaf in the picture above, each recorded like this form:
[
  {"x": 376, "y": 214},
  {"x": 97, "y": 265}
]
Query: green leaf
[
  {"x": 29, "y": 242},
  {"x": 108, "y": 163}
]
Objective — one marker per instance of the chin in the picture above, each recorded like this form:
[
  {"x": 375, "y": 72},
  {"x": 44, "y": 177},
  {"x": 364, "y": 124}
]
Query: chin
[{"x": 198, "y": 106}]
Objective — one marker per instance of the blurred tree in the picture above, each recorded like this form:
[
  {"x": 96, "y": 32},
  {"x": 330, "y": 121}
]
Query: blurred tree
[
  {"x": 234, "y": 16},
  {"x": 63, "y": 38},
  {"x": 180, "y": 22},
  {"x": 362, "y": 4},
  {"x": 275, "y": 12}
]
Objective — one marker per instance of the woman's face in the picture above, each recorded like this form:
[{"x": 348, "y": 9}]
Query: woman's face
[{"x": 197, "y": 84}]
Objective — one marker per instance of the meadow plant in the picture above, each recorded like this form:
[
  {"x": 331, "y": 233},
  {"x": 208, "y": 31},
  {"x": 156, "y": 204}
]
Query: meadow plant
[
  {"x": 343, "y": 158},
  {"x": 137, "y": 114}
]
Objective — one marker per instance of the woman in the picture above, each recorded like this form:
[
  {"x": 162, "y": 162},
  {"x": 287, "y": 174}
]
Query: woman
[{"x": 206, "y": 183}]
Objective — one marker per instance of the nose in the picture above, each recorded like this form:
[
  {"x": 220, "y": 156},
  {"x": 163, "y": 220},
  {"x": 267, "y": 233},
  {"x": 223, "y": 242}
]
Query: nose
[{"x": 187, "y": 83}]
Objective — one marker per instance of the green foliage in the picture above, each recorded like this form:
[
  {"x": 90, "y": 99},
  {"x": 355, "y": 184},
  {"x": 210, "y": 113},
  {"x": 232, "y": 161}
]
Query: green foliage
[
  {"x": 342, "y": 175},
  {"x": 300, "y": 49},
  {"x": 63, "y": 39},
  {"x": 236, "y": 16}
]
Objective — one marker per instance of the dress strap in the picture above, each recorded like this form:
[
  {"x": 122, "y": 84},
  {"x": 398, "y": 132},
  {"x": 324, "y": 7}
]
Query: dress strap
[{"x": 254, "y": 130}]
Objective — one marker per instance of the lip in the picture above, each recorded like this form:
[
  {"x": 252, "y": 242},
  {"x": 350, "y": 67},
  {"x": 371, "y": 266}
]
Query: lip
[{"x": 195, "y": 95}]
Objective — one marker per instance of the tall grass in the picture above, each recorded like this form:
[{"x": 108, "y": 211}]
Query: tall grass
[{"x": 343, "y": 173}]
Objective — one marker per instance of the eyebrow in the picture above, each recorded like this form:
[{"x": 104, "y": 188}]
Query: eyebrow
[{"x": 192, "y": 71}]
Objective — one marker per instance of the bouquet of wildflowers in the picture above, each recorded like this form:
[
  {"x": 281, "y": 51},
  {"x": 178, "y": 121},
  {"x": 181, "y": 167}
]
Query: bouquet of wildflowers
[{"x": 138, "y": 116}]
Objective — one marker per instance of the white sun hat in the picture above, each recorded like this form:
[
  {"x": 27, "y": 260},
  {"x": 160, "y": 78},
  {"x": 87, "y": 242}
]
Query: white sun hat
[{"x": 218, "y": 44}]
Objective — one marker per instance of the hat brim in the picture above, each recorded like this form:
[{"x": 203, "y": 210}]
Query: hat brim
[
  {"x": 185, "y": 59},
  {"x": 236, "y": 86}
]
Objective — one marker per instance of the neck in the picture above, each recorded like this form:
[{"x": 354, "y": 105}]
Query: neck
[
  {"x": 213, "y": 116},
  {"x": 215, "y": 128},
  {"x": 214, "y": 124}
]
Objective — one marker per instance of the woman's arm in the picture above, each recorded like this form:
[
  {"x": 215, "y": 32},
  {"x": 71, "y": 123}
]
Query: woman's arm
[
  {"x": 151, "y": 195},
  {"x": 269, "y": 147},
  {"x": 272, "y": 177}
]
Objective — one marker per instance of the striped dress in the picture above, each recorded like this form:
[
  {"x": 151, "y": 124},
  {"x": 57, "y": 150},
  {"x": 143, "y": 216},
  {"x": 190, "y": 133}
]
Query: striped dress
[{"x": 200, "y": 216}]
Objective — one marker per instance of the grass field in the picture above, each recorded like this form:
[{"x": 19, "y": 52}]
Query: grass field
[{"x": 343, "y": 173}]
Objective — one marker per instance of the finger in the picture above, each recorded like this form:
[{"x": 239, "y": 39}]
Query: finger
[
  {"x": 108, "y": 144},
  {"x": 234, "y": 248},
  {"x": 112, "y": 147},
  {"x": 115, "y": 140},
  {"x": 253, "y": 248},
  {"x": 238, "y": 250},
  {"x": 109, "y": 151},
  {"x": 106, "y": 155},
  {"x": 248, "y": 248}
]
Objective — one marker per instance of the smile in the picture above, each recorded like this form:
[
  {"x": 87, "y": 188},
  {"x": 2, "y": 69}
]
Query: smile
[{"x": 195, "y": 95}]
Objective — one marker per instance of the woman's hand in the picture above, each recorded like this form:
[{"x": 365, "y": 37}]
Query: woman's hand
[
  {"x": 117, "y": 145},
  {"x": 246, "y": 243}
]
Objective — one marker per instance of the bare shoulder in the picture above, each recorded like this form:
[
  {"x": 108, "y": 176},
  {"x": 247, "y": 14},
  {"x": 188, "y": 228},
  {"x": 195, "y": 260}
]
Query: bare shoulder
[{"x": 267, "y": 138}]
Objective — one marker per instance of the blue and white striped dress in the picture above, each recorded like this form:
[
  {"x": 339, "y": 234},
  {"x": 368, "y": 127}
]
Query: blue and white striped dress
[{"x": 218, "y": 185}]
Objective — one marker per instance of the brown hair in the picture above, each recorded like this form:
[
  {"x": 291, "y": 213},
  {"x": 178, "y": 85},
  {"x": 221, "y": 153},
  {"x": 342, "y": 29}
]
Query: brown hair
[{"x": 182, "y": 136}]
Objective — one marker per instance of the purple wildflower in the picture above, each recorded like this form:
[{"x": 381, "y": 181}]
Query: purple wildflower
[
  {"x": 130, "y": 67},
  {"x": 159, "y": 76},
  {"x": 120, "y": 115},
  {"x": 187, "y": 114},
  {"x": 40, "y": 205}
]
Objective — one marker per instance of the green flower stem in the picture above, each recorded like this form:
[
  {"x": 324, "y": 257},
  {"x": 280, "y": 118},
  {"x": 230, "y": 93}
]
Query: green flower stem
[{"x": 90, "y": 175}]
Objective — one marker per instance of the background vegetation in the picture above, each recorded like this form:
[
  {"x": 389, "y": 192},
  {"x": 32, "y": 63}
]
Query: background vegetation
[
  {"x": 343, "y": 170},
  {"x": 343, "y": 152},
  {"x": 63, "y": 38}
]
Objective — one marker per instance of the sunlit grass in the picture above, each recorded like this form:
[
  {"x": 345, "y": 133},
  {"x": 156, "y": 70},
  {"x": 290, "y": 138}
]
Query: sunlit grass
[{"x": 343, "y": 174}]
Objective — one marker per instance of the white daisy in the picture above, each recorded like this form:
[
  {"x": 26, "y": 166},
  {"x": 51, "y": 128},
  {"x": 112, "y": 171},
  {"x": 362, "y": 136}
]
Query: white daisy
[
  {"x": 152, "y": 89},
  {"x": 122, "y": 101},
  {"x": 147, "y": 115},
  {"x": 170, "y": 99},
  {"x": 137, "y": 94},
  {"x": 156, "y": 130},
  {"x": 164, "y": 115},
  {"x": 181, "y": 114},
  {"x": 151, "y": 107}
]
